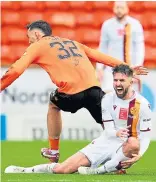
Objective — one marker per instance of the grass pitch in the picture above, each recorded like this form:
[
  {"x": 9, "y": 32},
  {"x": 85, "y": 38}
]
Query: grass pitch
[{"x": 28, "y": 154}]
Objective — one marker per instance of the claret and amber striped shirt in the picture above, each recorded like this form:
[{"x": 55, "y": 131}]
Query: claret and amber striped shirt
[{"x": 135, "y": 112}]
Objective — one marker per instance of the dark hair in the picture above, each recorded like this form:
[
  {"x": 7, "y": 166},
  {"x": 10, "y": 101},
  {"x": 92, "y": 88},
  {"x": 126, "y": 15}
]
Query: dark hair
[
  {"x": 122, "y": 68},
  {"x": 42, "y": 25}
]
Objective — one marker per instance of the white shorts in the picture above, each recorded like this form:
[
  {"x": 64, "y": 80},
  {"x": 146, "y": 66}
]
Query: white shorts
[{"x": 101, "y": 150}]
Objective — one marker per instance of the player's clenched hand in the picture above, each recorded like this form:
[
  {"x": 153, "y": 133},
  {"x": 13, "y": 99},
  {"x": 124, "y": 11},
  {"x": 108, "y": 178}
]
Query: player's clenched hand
[
  {"x": 131, "y": 161},
  {"x": 140, "y": 70},
  {"x": 123, "y": 133}
]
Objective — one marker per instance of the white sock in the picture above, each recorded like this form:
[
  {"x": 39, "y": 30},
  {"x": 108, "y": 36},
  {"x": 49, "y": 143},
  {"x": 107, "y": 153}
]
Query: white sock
[
  {"x": 102, "y": 169},
  {"x": 114, "y": 163},
  {"x": 41, "y": 168}
]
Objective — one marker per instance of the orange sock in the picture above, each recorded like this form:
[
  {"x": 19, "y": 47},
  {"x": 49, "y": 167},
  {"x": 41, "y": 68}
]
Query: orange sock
[{"x": 54, "y": 143}]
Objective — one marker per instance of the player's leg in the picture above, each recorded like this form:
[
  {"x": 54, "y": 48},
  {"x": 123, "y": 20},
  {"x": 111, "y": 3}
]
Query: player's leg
[
  {"x": 59, "y": 101},
  {"x": 69, "y": 166},
  {"x": 54, "y": 120},
  {"x": 54, "y": 125},
  {"x": 93, "y": 98},
  {"x": 91, "y": 155},
  {"x": 130, "y": 147},
  {"x": 72, "y": 164},
  {"x": 41, "y": 168},
  {"x": 123, "y": 153}
]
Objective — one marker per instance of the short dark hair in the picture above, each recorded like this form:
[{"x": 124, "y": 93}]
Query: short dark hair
[
  {"x": 125, "y": 69},
  {"x": 42, "y": 25}
]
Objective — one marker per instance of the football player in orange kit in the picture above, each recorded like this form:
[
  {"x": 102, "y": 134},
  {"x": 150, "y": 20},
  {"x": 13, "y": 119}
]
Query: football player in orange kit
[{"x": 70, "y": 66}]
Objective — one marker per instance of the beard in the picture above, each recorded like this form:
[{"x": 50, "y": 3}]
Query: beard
[{"x": 121, "y": 94}]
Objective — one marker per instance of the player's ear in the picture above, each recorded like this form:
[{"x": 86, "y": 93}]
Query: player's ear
[
  {"x": 38, "y": 36},
  {"x": 131, "y": 80}
]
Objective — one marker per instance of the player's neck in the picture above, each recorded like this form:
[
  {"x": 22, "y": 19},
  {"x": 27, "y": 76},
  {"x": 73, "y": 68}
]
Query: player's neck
[{"x": 129, "y": 95}]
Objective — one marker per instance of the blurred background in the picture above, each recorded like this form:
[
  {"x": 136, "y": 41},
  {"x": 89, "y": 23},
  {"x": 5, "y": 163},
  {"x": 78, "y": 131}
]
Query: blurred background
[
  {"x": 25, "y": 101},
  {"x": 81, "y": 21}
]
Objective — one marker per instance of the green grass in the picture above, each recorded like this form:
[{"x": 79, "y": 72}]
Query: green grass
[{"x": 28, "y": 154}]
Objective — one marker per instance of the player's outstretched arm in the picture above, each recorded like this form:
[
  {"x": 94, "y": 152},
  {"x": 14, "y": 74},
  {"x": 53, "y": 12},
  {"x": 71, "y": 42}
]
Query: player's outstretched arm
[
  {"x": 19, "y": 66},
  {"x": 97, "y": 56}
]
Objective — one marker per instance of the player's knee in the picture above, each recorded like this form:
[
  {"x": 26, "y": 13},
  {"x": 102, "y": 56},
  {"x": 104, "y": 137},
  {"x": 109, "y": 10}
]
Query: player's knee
[{"x": 132, "y": 146}]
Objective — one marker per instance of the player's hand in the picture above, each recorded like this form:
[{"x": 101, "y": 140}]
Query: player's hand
[
  {"x": 128, "y": 163},
  {"x": 139, "y": 70},
  {"x": 123, "y": 133}
]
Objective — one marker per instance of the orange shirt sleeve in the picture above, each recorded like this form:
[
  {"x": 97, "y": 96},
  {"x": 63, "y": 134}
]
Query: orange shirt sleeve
[
  {"x": 20, "y": 66},
  {"x": 97, "y": 56}
]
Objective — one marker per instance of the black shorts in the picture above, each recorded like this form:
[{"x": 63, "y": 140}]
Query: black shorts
[{"x": 89, "y": 99}]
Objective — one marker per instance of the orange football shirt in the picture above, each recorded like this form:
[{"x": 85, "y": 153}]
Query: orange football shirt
[{"x": 68, "y": 63}]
